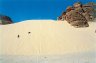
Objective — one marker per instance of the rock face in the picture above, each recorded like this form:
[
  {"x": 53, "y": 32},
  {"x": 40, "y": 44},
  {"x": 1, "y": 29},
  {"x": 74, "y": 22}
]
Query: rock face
[
  {"x": 62, "y": 17},
  {"x": 89, "y": 11},
  {"x": 5, "y": 20},
  {"x": 76, "y": 19},
  {"x": 79, "y": 15}
]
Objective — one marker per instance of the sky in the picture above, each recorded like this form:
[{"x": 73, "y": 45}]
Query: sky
[{"x": 20, "y": 10}]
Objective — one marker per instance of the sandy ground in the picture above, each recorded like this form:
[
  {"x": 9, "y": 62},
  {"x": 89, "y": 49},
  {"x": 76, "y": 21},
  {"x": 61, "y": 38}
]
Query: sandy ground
[
  {"x": 46, "y": 37},
  {"x": 75, "y": 58}
]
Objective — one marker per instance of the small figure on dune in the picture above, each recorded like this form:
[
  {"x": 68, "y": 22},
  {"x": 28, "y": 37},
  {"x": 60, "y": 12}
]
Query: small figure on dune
[
  {"x": 95, "y": 31},
  {"x": 18, "y": 36},
  {"x": 29, "y": 32}
]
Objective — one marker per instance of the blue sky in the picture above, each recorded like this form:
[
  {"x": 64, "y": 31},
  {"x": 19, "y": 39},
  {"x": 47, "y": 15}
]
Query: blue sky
[{"x": 20, "y": 10}]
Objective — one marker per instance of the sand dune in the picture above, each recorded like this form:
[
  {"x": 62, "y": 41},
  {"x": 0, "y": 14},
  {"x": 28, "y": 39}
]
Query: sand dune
[{"x": 46, "y": 37}]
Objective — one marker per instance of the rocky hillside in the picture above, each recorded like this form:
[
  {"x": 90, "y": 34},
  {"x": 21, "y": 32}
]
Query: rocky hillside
[
  {"x": 5, "y": 20},
  {"x": 79, "y": 14}
]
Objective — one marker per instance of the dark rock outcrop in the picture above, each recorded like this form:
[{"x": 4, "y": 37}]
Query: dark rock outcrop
[
  {"x": 75, "y": 19},
  {"x": 5, "y": 20},
  {"x": 79, "y": 15}
]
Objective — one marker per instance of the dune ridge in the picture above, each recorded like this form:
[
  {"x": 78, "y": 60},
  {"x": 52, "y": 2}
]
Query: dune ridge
[{"x": 46, "y": 37}]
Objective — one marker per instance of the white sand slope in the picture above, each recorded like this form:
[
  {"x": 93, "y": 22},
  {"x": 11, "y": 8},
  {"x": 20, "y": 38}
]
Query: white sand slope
[{"x": 47, "y": 37}]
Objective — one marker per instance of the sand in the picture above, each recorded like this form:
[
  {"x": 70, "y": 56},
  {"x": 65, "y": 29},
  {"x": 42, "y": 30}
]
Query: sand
[{"x": 46, "y": 37}]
